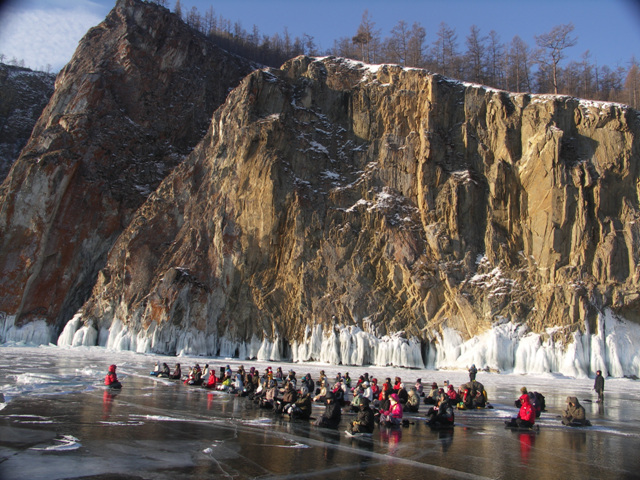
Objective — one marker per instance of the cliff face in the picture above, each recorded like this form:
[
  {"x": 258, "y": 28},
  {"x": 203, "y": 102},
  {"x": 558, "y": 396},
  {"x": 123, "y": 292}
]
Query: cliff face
[
  {"x": 23, "y": 95},
  {"x": 135, "y": 99},
  {"x": 332, "y": 203}
]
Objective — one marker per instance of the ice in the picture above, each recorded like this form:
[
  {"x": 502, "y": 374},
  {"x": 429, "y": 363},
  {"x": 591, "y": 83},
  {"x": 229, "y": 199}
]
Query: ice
[
  {"x": 36, "y": 332},
  {"x": 62, "y": 444},
  {"x": 164, "y": 429},
  {"x": 505, "y": 347}
]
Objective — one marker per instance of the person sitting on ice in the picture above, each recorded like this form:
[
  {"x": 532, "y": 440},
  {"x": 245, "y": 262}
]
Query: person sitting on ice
[
  {"x": 479, "y": 401},
  {"x": 212, "y": 381},
  {"x": 367, "y": 391},
  {"x": 386, "y": 387},
  {"x": 413, "y": 401},
  {"x": 419, "y": 387},
  {"x": 375, "y": 389},
  {"x": 332, "y": 414},
  {"x": 526, "y": 416},
  {"x": 452, "y": 394},
  {"x": 357, "y": 398},
  {"x": 308, "y": 382},
  {"x": 156, "y": 370},
  {"x": 111, "y": 380},
  {"x": 383, "y": 405},
  {"x": 164, "y": 371},
  {"x": 289, "y": 397},
  {"x": 196, "y": 376},
  {"x": 270, "y": 397},
  {"x": 442, "y": 414},
  {"x": 322, "y": 393},
  {"x": 205, "y": 371},
  {"x": 177, "y": 373},
  {"x": 338, "y": 394},
  {"x": 432, "y": 396},
  {"x": 392, "y": 416},
  {"x": 574, "y": 415},
  {"x": 302, "y": 407},
  {"x": 402, "y": 393},
  {"x": 347, "y": 380},
  {"x": 291, "y": 378},
  {"x": 249, "y": 386},
  {"x": 364, "y": 422},
  {"x": 397, "y": 385},
  {"x": 279, "y": 375},
  {"x": 466, "y": 400}
]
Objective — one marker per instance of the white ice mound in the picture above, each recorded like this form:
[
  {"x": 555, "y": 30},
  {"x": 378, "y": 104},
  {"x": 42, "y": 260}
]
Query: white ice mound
[{"x": 506, "y": 347}]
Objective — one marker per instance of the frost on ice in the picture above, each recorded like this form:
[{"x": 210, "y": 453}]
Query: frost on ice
[{"x": 506, "y": 347}]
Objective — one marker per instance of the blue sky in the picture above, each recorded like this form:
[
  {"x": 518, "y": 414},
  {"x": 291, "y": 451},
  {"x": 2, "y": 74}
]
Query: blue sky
[{"x": 45, "y": 32}]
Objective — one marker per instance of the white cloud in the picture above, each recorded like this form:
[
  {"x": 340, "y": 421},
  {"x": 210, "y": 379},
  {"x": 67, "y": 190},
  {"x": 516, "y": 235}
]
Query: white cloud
[{"x": 44, "y": 37}]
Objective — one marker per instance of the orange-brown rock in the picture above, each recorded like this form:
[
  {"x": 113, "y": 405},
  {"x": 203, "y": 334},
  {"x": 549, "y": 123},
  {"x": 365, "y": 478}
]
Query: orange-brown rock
[{"x": 390, "y": 198}]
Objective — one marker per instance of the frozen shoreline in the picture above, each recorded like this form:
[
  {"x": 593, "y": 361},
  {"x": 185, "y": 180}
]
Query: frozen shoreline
[{"x": 506, "y": 347}]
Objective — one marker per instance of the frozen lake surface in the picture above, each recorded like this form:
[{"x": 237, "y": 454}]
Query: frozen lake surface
[{"x": 57, "y": 422}]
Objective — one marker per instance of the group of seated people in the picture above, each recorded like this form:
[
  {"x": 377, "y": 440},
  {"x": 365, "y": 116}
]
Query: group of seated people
[{"x": 384, "y": 404}]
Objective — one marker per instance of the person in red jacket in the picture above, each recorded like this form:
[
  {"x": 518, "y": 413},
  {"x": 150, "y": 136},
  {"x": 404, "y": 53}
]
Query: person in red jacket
[
  {"x": 212, "y": 381},
  {"x": 526, "y": 416},
  {"x": 111, "y": 380}
]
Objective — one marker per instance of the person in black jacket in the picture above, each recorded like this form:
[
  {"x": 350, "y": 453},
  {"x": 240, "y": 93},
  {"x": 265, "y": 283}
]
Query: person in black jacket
[
  {"x": 332, "y": 413},
  {"x": 598, "y": 386},
  {"x": 364, "y": 422}
]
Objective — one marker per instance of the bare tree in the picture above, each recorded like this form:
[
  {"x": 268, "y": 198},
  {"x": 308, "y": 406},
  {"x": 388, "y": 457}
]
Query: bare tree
[
  {"x": 445, "y": 49},
  {"x": 518, "y": 65},
  {"x": 416, "y": 47},
  {"x": 476, "y": 54},
  {"x": 553, "y": 45},
  {"x": 177, "y": 9},
  {"x": 632, "y": 84},
  {"x": 398, "y": 44}
]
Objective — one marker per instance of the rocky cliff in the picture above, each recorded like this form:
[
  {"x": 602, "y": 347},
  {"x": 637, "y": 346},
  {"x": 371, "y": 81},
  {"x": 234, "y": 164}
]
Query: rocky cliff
[
  {"x": 23, "y": 95},
  {"x": 135, "y": 99},
  {"x": 332, "y": 211},
  {"x": 355, "y": 214}
]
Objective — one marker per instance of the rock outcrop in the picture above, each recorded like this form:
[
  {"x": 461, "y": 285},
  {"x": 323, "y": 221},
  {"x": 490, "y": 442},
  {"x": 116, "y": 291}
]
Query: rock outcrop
[
  {"x": 332, "y": 204},
  {"x": 135, "y": 99},
  {"x": 23, "y": 95}
]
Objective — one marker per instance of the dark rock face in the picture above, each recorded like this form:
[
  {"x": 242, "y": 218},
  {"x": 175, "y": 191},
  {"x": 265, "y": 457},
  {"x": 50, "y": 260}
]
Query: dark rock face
[
  {"x": 23, "y": 95},
  {"x": 135, "y": 99},
  {"x": 394, "y": 200}
]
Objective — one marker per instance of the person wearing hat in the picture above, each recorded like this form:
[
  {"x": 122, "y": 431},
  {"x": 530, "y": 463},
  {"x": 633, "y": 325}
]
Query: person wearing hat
[
  {"x": 332, "y": 414},
  {"x": 413, "y": 401},
  {"x": 111, "y": 380},
  {"x": 364, "y": 422},
  {"x": 301, "y": 409},
  {"x": 367, "y": 391},
  {"x": 598, "y": 386},
  {"x": 432, "y": 397},
  {"x": 574, "y": 415},
  {"x": 393, "y": 416}
]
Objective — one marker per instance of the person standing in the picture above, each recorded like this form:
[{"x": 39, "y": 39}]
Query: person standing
[
  {"x": 473, "y": 371},
  {"x": 598, "y": 386}
]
